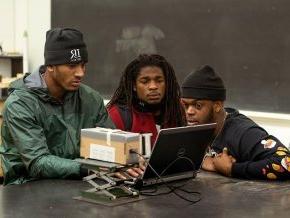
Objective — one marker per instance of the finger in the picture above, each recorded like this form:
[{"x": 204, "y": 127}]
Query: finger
[
  {"x": 131, "y": 172},
  {"x": 215, "y": 161},
  {"x": 218, "y": 155},
  {"x": 208, "y": 159},
  {"x": 225, "y": 150},
  {"x": 142, "y": 167},
  {"x": 120, "y": 176},
  {"x": 232, "y": 158},
  {"x": 138, "y": 170}
]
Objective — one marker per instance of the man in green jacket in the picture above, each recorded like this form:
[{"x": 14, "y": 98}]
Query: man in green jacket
[{"x": 46, "y": 110}]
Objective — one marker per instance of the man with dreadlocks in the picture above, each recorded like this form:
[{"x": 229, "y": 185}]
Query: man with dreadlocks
[{"x": 148, "y": 97}]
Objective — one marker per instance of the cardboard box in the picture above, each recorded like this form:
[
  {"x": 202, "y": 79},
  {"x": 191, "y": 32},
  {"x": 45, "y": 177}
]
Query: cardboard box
[{"x": 110, "y": 145}]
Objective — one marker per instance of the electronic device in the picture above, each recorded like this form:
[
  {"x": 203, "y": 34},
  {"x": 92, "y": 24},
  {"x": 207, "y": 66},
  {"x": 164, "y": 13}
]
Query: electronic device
[{"x": 177, "y": 154}]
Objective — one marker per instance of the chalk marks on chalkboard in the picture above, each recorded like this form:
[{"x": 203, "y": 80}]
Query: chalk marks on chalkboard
[{"x": 139, "y": 39}]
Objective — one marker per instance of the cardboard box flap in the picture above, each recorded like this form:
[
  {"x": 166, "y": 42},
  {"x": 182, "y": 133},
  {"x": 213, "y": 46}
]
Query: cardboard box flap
[{"x": 110, "y": 134}]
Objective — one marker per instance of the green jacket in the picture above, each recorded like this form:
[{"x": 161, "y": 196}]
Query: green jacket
[{"x": 40, "y": 136}]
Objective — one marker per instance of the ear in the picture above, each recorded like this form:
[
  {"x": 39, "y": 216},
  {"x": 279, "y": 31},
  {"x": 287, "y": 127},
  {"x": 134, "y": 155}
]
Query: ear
[
  {"x": 49, "y": 68},
  {"x": 218, "y": 106}
]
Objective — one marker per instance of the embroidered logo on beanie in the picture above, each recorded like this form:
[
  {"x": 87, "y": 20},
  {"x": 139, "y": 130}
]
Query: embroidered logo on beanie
[
  {"x": 64, "y": 46},
  {"x": 76, "y": 56}
]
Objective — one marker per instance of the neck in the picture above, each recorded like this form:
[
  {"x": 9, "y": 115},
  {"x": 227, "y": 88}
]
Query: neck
[
  {"x": 55, "y": 91},
  {"x": 220, "y": 121}
]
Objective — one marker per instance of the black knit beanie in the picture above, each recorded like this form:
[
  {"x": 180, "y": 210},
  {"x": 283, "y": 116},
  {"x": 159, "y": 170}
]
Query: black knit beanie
[
  {"x": 64, "y": 46},
  {"x": 204, "y": 84}
]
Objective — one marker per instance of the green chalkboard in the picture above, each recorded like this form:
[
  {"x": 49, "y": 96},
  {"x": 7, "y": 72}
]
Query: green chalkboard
[{"x": 247, "y": 42}]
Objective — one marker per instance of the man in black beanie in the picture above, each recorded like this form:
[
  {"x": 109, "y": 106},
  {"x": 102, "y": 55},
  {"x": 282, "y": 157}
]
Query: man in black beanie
[
  {"x": 240, "y": 148},
  {"x": 46, "y": 110}
]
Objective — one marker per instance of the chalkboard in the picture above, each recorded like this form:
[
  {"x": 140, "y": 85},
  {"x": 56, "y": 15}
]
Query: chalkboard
[{"x": 247, "y": 42}]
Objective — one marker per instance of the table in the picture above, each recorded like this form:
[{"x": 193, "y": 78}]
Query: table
[{"x": 221, "y": 197}]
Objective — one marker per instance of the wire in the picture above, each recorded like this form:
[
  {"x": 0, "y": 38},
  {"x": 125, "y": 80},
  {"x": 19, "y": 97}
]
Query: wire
[
  {"x": 173, "y": 162},
  {"x": 171, "y": 188}
]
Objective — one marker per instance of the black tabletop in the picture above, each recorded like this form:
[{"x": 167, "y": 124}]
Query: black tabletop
[{"x": 220, "y": 197}]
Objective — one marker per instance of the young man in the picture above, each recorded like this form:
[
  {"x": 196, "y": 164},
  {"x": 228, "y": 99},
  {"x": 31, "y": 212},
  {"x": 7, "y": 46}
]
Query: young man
[
  {"x": 148, "y": 97},
  {"x": 244, "y": 149},
  {"x": 46, "y": 110}
]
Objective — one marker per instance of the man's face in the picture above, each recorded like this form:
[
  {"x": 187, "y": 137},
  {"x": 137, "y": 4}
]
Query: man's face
[
  {"x": 198, "y": 111},
  {"x": 68, "y": 77},
  {"x": 150, "y": 85}
]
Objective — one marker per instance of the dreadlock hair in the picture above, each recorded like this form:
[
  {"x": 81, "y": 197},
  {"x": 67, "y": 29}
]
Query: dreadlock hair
[{"x": 172, "y": 106}]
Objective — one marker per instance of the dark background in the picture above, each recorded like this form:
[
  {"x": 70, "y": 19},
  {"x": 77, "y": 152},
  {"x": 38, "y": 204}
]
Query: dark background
[{"x": 247, "y": 42}]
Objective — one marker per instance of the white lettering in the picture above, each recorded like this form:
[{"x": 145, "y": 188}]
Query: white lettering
[{"x": 76, "y": 56}]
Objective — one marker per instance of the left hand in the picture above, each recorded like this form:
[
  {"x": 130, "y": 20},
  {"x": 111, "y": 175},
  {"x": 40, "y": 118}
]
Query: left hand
[
  {"x": 208, "y": 165},
  {"x": 223, "y": 163}
]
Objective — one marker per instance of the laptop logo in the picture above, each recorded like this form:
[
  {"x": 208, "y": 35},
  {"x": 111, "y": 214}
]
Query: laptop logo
[{"x": 181, "y": 152}]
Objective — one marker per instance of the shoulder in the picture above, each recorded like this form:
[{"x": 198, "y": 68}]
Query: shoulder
[
  {"x": 115, "y": 111},
  {"x": 239, "y": 126},
  {"x": 20, "y": 104},
  {"x": 121, "y": 116},
  {"x": 18, "y": 97},
  {"x": 239, "y": 121},
  {"x": 116, "y": 108}
]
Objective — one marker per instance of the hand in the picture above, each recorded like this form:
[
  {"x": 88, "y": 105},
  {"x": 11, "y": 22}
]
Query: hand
[
  {"x": 223, "y": 163},
  {"x": 142, "y": 165},
  {"x": 137, "y": 171},
  {"x": 133, "y": 172},
  {"x": 207, "y": 164}
]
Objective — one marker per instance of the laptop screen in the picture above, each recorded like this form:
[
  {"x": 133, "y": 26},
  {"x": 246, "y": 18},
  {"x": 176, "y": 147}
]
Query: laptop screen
[{"x": 179, "y": 150}]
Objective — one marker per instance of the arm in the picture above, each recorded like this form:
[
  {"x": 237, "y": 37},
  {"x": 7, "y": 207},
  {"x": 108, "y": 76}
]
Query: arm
[
  {"x": 249, "y": 170},
  {"x": 27, "y": 139},
  {"x": 275, "y": 166},
  {"x": 257, "y": 160}
]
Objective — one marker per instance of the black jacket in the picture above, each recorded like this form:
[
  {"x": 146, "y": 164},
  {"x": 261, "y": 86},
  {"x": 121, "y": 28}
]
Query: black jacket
[{"x": 258, "y": 154}]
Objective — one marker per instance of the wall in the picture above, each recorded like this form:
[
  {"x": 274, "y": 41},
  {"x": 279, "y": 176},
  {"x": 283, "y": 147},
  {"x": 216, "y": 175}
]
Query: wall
[
  {"x": 7, "y": 39},
  {"x": 38, "y": 23},
  {"x": 7, "y": 24},
  {"x": 34, "y": 16},
  {"x": 18, "y": 16}
]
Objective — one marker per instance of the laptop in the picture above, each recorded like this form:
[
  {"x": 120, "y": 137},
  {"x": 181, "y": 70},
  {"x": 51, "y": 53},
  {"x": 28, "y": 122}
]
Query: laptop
[{"x": 177, "y": 154}]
